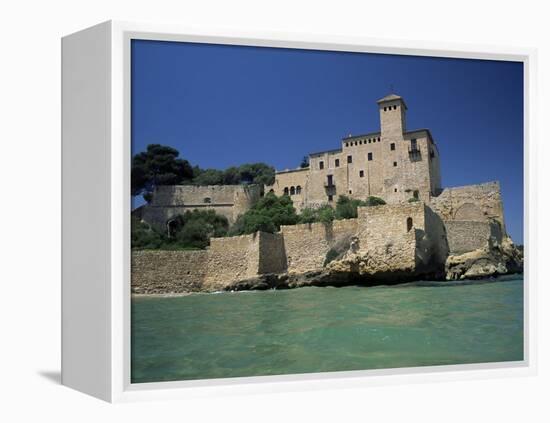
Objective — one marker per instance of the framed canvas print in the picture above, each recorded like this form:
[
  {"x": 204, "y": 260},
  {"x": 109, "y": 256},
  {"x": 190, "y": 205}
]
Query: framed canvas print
[{"x": 260, "y": 212}]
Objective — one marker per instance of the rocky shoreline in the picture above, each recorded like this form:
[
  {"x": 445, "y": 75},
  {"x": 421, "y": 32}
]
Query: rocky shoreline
[
  {"x": 351, "y": 267},
  {"x": 357, "y": 269}
]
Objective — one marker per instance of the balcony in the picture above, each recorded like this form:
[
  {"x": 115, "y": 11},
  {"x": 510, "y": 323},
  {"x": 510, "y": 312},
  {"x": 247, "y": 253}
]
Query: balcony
[
  {"x": 414, "y": 154},
  {"x": 330, "y": 188}
]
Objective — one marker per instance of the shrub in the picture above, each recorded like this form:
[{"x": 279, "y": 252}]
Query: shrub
[
  {"x": 195, "y": 228},
  {"x": 143, "y": 236},
  {"x": 346, "y": 208},
  {"x": 413, "y": 200},
  {"x": 267, "y": 215},
  {"x": 192, "y": 230},
  {"x": 324, "y": 214},
  {"x": 374, "y": 201}
]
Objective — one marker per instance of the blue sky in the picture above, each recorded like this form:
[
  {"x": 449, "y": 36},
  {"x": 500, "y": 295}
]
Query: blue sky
[{"x": 227, "y": 105}]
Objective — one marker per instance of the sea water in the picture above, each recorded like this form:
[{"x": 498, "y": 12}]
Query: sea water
[{"x": 253, "y": 333}]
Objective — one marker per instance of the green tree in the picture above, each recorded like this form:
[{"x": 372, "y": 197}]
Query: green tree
[
  {"x": 194, "y": 228},
  {"x": 267, "y": 215},
  {"x": 209, "y": 177},
  {"x": 305, "y": 162},
  {"x": 159, "y": 165},
  {"x": 256, "y": 173},
  {"x": 346, "y": 208}
]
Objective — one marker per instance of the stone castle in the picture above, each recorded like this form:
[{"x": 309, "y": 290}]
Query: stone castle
[
  {"x": 394, "y": 164},
  {"x": 413, "y": 235}
]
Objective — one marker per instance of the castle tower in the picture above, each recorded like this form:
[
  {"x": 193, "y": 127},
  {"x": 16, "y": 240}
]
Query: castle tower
[{"x": 392, "y": 110}]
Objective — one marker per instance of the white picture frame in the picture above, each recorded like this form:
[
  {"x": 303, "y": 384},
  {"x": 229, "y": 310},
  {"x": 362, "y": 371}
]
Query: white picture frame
[{"x": 96, "y": 213}]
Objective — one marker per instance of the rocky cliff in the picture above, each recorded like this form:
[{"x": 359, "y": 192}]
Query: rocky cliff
[{"x": 494, "y": 260}]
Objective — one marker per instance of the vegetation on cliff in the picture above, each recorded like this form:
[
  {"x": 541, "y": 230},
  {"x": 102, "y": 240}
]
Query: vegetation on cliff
[{"x": 161, "y": 165}]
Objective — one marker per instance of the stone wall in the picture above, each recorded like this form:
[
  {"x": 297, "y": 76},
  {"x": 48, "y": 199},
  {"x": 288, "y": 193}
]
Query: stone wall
[
  {"x": 306, "y": 246},
  {"x": 479, "y": 203},
  {"x": 433, "y": 247},
  {"x": 272, "y": 253},
  {"x": 160, "y": 272},
  {"x": 465, "y": 236},
  {"x": 227, "y": 260},
  {"x": 389, "y": 232},
  {"x": 232, "y": 259},
  {"x": 172, "y": 200}
]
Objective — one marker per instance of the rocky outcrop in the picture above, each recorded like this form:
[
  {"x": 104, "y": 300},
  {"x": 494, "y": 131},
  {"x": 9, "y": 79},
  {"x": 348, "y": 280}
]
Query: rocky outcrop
[
  {"x": 373, "y": 268},
  {"x": 494, "y": 260}
]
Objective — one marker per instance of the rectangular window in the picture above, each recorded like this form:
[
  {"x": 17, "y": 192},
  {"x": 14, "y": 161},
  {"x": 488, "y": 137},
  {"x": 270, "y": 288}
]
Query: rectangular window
[
  {"x": 361, "y": 173},
  {"x": 392, "y": 146},
  {"x": 394, "y": 164},
  {"x": 369, "y": 156},
  {"x": 337, "y": 163},
  {"x": 349, "y": 159},
  {"x": 321, "y": 165},
  {"x": 330, "y": 198},
  {"x": 413, "y": 144}
]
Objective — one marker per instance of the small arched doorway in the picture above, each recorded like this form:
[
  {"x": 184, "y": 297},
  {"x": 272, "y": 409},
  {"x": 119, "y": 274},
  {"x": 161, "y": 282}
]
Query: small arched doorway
[
  {"x": 409, "y": 223},
  {"x": 172, "y": 227}
]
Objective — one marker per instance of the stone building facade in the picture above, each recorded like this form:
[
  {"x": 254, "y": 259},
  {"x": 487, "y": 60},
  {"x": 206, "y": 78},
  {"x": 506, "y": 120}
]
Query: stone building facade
[
  {"x": 394, "y": 163},
  {"x": 172, "y": 200}
]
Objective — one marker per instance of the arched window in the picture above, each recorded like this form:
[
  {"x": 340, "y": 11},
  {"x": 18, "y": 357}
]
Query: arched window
[
  {"x": 285, "y": 192},
  {"x": 298, "y": 190},
  {"x": 207, "y": 200},
  {"x": 409, "y": 223},
  {"x": 292, "y": 191},
  {"x": 415, "y": 194},
  {"x": 272, "y": 190}
]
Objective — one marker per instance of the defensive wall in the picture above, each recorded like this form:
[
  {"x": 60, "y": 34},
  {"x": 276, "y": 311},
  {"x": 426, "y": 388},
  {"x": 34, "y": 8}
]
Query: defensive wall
[
  {"x": 306, "y": 245},
  {"x": 464, "y": 236},
  {"x": 171, "y": 200},
  {"x": 479, "y": 203},
  {"x": 161, "y": 271},
  {"x": 405, "y": 237},
  {"x": 402, "y": 237}
]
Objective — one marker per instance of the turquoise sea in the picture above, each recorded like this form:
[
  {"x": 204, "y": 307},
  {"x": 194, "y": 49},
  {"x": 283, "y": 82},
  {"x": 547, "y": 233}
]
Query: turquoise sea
[{"x": 253, "y": 333}]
